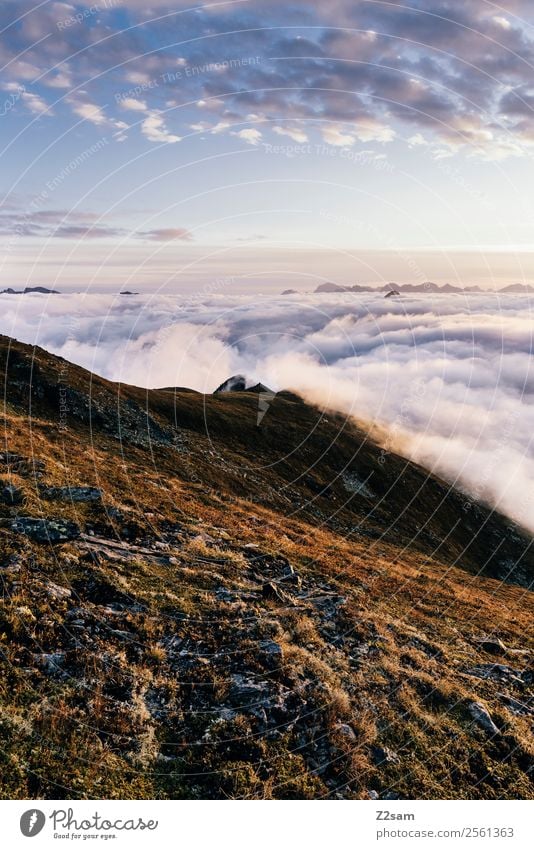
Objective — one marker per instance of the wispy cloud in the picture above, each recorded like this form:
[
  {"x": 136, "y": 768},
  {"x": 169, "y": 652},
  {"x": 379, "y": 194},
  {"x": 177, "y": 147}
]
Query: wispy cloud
[
  {"x": 154, "y": 129},
  {"x": 167, "y": 234}
]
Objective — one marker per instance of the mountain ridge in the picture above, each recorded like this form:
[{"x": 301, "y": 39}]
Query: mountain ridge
[{"x": 416, "y": 288}]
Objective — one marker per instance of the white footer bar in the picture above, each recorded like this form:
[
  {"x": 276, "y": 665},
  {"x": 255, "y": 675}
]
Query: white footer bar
[{"x": 269, "y": 825}]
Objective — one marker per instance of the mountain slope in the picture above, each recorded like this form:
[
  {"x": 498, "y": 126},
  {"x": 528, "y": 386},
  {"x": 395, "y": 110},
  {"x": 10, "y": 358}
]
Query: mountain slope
[{"x": 198, "y": 605}]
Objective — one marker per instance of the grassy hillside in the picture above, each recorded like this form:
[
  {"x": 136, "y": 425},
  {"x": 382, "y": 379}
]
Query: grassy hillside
[{"x": 197, "y": 605}]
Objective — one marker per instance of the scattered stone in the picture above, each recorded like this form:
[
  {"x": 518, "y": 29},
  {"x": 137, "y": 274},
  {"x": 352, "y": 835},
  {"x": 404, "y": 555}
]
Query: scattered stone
[
  {"x": 24, "y": 466},
  {"x": 51, "y": 664},
  {"x": 224, "y": 594},
  {"x": 273, "y": 593},
  {"x": 383, "y": 755},
  {"x": 492, "y": 645},
  {"x": 81, "y": 494},
  {"x": 252, "y": 697},
  {"x": 496, "y": 672},
  {"x": 291, "y": 577},
  {"x": 11, "y": 495},
  {"x": 347, "y": 731},
  {"x": 113, "y": 550},
  {"x": 355, "y": 485},
  {"x": 517, "y": 707},
  {"x": 271, "y": 652},
  {"x": 482, "y": 718},
  {"x": 56, "y": 591},
  {"x": 45, "y": 530},
  {"x": 25, "y": 613},
  {"x": 360, "y": 650}
]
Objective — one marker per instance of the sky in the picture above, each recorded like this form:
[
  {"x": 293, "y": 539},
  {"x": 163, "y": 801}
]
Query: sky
[{"x": 182, "y": 147}]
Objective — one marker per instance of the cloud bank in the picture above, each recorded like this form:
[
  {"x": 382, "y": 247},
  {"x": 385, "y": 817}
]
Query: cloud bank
[{"x": 450, "y": 378}]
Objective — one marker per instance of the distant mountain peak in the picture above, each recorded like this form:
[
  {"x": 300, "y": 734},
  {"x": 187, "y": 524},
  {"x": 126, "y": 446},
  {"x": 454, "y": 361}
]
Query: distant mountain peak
[
  {"x": 428, "y": 287},
  {"x": 41, "y": 290},
  {"x": 238, "y": 383}
]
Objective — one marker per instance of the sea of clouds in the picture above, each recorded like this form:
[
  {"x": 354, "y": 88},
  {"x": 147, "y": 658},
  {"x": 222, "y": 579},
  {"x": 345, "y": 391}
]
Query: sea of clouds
[{"x": 448, "y": 377}]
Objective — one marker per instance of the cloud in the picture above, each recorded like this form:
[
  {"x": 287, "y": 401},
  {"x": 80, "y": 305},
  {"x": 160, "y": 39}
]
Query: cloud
[
  {"x": 449, "y": 378},
  {"x": 298, "y": 135},
  {"x": 250, "y": 135},
  {"x": 336, "y": 136},
  {"x": 90, "y": 112},
  {"x": 35, "y": 103},
  {"x": 67, "y": 224},
  {"x": 133, "y": 104},
  {"x": 154, "y": 129},
  {"x": 55, "y": 223},
  {"x": 433, "y": 67},
  {"x": 168, "y": 234},
  {"x": 72, "y": 231}
]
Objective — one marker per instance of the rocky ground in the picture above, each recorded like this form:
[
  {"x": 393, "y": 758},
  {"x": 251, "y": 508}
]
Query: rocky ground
[{"x": 194, "y": 606}]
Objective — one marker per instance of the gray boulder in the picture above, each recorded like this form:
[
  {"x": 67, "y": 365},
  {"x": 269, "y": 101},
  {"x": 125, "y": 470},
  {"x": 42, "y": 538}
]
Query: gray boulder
[
  {"x": 482, "y": 718},
  {"x": 81, "y": 494},
  {"x": 45, "y": 530}
]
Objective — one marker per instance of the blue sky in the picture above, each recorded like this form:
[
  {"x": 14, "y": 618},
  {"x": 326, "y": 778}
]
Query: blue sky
[{"x": 162, "y": 147}]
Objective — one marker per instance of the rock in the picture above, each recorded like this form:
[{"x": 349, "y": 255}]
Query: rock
[
  {"x": 51, "y": 664},
  {"x": 236, "y": 383},
  {"x": 227, "y": 715},
  {"x": 360, "y": 650},
  {"x": 492, "y": 645},
  {"x": 271, "y": 652},
  {"x": 45, "y": 530},
  {"x": 56, "y": 591},
  {"x": 245, "y": 690},
  {"x": 112, "y": 550},
  {"x": 24, "y": 466},
  {"x": 355, "y": 485},
  {"x": 25, "y": 613},
  {"x": 482, "y": 718},
  {"x": 291, "y": 577},
  {"x": 517, "y": 707},
  {"x": 11, "y": 495},
  {"x": 273, "y": 593},
  {"x": 496, "y": 672},
  {"x": 81, "y": 494},
  {"x": 373, "y": 794},
  {"x": 383, "y": 755},
  {"x": 252, "y": 697},
  {"x": 346, "y": 731}
]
